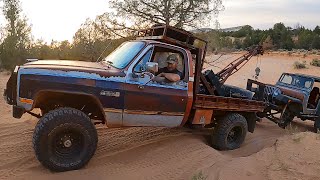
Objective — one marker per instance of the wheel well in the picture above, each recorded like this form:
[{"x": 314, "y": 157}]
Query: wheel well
[
  {"x": 89, "y": 104},
  {"x": 295, "y": 108},
  {"x": 250, "y": 117}
]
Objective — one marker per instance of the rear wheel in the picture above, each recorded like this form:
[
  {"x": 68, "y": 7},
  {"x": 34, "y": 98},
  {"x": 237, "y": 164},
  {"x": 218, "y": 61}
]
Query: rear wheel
[
  {"x": 64, "y": 139},
  {"x": 229, "y": 132}
]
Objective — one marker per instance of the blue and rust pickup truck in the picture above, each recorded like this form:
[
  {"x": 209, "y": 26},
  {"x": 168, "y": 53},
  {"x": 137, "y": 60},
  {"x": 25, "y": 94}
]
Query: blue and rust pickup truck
[{"x": 122, "y": 90}]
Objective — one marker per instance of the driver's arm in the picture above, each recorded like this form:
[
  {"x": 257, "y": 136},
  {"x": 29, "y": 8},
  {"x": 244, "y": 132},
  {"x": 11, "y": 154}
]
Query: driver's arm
[{"x": 170, "y": 76}]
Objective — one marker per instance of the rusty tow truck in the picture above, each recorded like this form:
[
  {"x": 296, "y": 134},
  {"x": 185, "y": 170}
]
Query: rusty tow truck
[{"x": 74, "y": 96}]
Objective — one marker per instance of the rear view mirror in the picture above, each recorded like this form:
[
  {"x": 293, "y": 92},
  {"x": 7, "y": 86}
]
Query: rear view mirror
[{"x": 152, "y": 67}]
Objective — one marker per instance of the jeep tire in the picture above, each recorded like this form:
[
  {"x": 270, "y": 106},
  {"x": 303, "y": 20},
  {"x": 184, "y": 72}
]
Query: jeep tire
[
  {"x": 230, "y": 132},
  {"x": 64, "y": 139}
]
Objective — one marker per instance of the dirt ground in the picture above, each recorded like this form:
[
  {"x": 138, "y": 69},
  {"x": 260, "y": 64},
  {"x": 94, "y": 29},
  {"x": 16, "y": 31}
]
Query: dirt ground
[{"x": 160, "y": 153}]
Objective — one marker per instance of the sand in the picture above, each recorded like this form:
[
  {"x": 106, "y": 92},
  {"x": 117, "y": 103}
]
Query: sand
[{"x": 178, "y": 153}]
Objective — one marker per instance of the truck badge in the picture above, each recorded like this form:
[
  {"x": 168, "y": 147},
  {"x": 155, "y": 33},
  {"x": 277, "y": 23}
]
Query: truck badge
[{"x": 110, "y": 93}]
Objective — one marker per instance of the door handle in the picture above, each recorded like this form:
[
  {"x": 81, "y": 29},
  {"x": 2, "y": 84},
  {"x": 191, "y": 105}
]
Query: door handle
[{"x": 141, "y": 86}]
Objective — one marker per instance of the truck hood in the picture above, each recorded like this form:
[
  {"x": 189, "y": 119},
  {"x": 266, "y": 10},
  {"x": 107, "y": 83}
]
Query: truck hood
[{"x": 78, "y": 66}]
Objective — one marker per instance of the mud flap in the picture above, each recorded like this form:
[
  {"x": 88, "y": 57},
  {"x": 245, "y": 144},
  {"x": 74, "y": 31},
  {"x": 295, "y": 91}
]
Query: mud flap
[
  {"x": 317, "y": 125},
  {"x": 17, "y": 112},
  {"x": 251, "y": 121}
]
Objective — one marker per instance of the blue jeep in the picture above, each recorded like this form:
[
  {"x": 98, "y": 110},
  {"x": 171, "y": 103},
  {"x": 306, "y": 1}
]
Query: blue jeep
[{"x": 294, "y": 95}]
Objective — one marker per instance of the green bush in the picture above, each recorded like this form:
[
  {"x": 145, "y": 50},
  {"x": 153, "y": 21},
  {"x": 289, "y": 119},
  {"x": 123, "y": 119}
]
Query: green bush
[
  {"x": 315, "y": 62},
  {"x": 299, "y": 65}
]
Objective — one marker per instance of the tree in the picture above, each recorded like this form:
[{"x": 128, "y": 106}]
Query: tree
[
  {"x": 2, "y": 34},
  {"x": 84, "y": 40},
  {"x": 316, "y": 42},
  {"x": 305, "y": 39},
  {"x": 94, "y": 38},
  {"x": 281, "y": 36},
  {"x": 243, "y": 32},
  {"x": 317, "y": 30},
  {"x": 18, "y": 35},
  {"x": 178, "y": 13}
]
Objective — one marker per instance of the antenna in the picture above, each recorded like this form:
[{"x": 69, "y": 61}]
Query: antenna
[
  {"x": 31, "y": 60},
  {"x": 104, "y": 50}
]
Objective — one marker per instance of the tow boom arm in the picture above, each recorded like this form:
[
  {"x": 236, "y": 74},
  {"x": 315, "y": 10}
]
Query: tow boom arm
[
  {"x": 237, "y": 64},
  {"x": 213, "y": 82}
]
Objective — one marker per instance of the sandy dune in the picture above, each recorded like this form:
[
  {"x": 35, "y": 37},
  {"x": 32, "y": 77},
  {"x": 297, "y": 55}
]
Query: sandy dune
[{"x": 160, "y": 153}]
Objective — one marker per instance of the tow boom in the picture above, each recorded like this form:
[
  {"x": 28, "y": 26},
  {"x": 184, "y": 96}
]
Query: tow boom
[
  {"x": 213, "y": 82},
  {"x": 237, "y": 64}
]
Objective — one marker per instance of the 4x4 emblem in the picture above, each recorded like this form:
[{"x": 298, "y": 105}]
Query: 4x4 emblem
[{"x": 110, "y": 93}]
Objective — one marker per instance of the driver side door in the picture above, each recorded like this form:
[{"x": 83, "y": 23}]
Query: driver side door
[{"x": 152, "y": 104}]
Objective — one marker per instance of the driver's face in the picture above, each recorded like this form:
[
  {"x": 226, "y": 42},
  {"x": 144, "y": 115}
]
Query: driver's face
[{"x": 172, "y": 66}]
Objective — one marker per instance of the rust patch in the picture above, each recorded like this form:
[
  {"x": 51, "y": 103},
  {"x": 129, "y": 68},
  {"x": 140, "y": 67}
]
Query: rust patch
[
  {"x": 292, "y": 93},
  {"x": 202, "y": 116},
  {"x": 228, "y": 104},
  {"x": 86, "y": 82},
  {"x": 153, "y": 113}
]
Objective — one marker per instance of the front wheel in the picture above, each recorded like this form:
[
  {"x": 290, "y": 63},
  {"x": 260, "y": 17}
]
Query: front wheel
[
  {"x": 229, "y": 132},
  {"x": 64, "y": 139}
]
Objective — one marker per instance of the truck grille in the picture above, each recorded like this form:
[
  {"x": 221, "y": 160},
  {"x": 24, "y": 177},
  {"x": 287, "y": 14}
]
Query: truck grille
[{"x": 269, "y": 91}]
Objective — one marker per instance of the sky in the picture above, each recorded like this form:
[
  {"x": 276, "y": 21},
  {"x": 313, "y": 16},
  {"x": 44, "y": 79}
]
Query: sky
[
  {"x": 60, "y": 19},
  {"x": 263, "y": 14}
]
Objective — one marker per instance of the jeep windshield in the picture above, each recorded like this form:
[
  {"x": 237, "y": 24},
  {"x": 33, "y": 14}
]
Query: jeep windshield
[
  {"x": 123, "y": 55},
  {"x": 297, "y": 81}
]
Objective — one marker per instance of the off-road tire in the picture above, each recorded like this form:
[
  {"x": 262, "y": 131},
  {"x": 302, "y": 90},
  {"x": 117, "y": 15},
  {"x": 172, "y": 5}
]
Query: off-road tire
[
  {"x": 232, "y": 123},
  {"x": 287, "y": 118},
  {"x": 78, "y": 139}
]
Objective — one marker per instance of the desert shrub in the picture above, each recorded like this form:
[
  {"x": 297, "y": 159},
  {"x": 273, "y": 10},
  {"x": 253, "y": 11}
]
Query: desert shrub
[
  {"x": 304, "y": 55},
  {"x": 314, "y": 52},
  {"x": 290, "y": 53},
  {"x": 292, "y": 129},
  {"x": 199, "y": 176},
  {"x": 315, "y": 62},
  {"x": 299, "y": 65}
]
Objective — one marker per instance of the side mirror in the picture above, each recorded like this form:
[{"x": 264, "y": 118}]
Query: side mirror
[{"x": 152, "y": 67}]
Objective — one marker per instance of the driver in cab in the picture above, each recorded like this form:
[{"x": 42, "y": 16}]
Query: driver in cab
[{"x": 170, "y": 72}]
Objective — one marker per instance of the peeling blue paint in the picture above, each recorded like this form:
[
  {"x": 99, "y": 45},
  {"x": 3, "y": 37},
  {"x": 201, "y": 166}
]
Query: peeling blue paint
[
  {"x": 73, "y": 74},
  {"x": 179, "y": 85}
]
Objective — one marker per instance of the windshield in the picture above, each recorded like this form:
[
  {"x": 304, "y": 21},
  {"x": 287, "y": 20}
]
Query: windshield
[
  {"x": 298, "y": 81},
  {"x": 123, "y": 55}
]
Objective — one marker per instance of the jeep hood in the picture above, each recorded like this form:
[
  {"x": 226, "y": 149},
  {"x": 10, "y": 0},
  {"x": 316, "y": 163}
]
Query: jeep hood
[
  {"x": 295, "y": 93},
  {"x": 79, "y": 66}
]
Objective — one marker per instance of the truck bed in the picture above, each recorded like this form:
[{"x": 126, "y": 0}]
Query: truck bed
[{"x": 228, "y": 103}]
